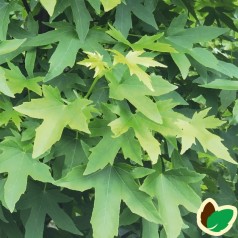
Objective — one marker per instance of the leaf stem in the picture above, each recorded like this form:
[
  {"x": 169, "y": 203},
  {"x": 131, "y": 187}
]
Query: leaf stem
[{"x": 91, "y": 87}]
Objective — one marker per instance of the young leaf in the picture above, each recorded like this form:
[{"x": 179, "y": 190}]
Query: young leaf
[
  {"x": 16, "y": 160},
  {"x": 49, "y": 5},
  {"x": 172, "y": 190},
  {"x": 110, "y": 4},
  {"x": 43, "y": 202},
  {"x": 112, "y": 185},
  {"x": 56, "y": 116},
  {"x": 197, "y": 128},
  {"x": 95, "y": 61},
  {"x": 132, "y": 60}
]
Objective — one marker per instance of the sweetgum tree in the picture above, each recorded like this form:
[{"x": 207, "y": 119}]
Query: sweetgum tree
[{"x": 118, "y": 117}]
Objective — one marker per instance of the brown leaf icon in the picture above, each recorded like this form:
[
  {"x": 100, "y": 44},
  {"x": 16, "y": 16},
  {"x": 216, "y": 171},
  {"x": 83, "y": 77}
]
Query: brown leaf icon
[{"x": 207, "y": 211}]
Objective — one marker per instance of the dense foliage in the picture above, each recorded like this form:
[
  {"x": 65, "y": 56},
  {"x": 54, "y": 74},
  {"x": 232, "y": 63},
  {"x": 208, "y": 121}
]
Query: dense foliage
[{"x": 118, "y": 117}]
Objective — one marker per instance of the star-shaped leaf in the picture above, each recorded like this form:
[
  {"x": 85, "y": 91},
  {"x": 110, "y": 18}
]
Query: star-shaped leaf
[
  {"x": 8, "y": 114},
  {"x": 41, "y": 202},
  {"x": 132, "y": 59},
  {"x": 112, "y": 184},
  {"x": 56, "y": 115},
  {"x": 95, "y": 61},
  {"x": 16, "y": 160},
  {"x": 137, "y": 93},
  {"x": 196, "y": 128},
  {"x": 140, "y": 126},
  {"x": 16, "y": 81},
  {"x": 173, "y": 188}
]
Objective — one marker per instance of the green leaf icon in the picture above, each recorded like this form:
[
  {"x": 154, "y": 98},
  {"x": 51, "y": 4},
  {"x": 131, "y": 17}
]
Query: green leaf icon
[{"x": 219, "y": 220}]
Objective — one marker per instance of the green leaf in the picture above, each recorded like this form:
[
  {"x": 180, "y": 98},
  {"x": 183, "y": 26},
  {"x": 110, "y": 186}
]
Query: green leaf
[
  {"x": 101, "y": 156},
  {"x": 9, "y": 46},
  {"x": 151, "y": 43},
  {"x": 17, "y": 162},
  {"x": 136, "y": 93},
  {"x": 16, "y": 81},
  {"x": 112, "y": 185},
  {"x": 64, "y": 56},
  {"x": 109, "y": 4},
  {"x": 4, "y": 88},
  {"x": 223, "y": 84},
  {"x": 123, "y": 19},
  {"x": 149, "y": 229},
  {"x": 82, "y": 18},
  {"x": 56, "y": 116},
  {"x": 182, "y": 62},
  {"x": 4, "y": 19},
  {"x": 49, "y": 5},
  {"x": 142, "y": 13},
  {"x": 172, "y": 189},
  {"x": 141, "y": 129},
  {"x": 43, "y": 202},
  {"x": 9, "y": 114},
  {"x": 219, "y": 220},
  {"x": 95, "y": 4}
]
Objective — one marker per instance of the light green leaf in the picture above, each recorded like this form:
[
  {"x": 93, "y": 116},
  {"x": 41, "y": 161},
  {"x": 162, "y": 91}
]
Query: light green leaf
[
  {"x": 171, "y": 191},
  {"x": 152, "y": 43},
  {"x": 223, "y": 84},
  {"x": 9, "y": 114},
  {"x": 182, "y": 62},
  {"x": 132, "y": 60},
  {"x": 49, "y": 5},
  {"x": 197, "y": 128},
  {"x": 4, "y": 88},
  {"x": 149, "y": 229},
  {"x": 16, "y": 81},
  {"x": 82, "y": 18},
  {"x": 16, "y": 160},
  {"x": 110, "y": 4},
  {"x": 56, "y": 116},
  {"x": 9, "y": 46},
  {"x": 95, "y": 61},
  {"x": 118, "y": 35}
]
